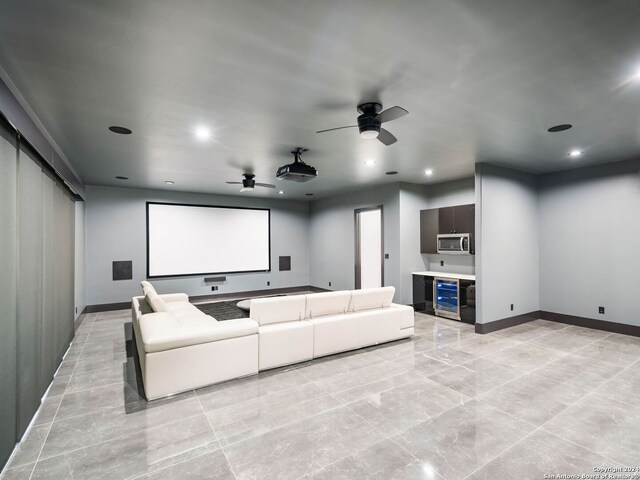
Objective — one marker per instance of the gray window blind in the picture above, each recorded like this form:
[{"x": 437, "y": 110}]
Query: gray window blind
[{"x": 8, "y": 292}]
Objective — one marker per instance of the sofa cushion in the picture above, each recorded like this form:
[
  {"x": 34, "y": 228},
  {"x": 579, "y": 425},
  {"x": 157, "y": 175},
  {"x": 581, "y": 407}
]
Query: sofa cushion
[
  {"x": 163, "y": 331},
  {"x": 278, "y": 309},
  {"x": 182, "y": 310},
  {"x": 144, "y": 284},
  {"x": 371, "y": 298},
  {"x": 327, "y": 303},
  {"x": 154, "y": 300}
]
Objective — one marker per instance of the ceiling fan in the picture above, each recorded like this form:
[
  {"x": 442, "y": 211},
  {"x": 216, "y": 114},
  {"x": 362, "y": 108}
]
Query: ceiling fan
[
  {"x": 248, "y": 183},
  {"x": 370, "y": 118}
]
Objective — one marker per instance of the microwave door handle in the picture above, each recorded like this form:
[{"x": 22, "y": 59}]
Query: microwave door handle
[{"x": 462, "y": 243}]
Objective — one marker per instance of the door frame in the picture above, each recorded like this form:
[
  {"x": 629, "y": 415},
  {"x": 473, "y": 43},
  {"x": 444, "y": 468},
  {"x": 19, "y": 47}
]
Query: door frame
[{"x": 358, "y": 280}]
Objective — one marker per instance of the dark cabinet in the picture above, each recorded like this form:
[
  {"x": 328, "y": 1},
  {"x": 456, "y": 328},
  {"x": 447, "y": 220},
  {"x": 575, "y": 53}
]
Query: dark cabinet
[
  {"x": 423, "y": 294},
  {"x": 435, "y": 221},
  {"x": 428, "y": 226}
]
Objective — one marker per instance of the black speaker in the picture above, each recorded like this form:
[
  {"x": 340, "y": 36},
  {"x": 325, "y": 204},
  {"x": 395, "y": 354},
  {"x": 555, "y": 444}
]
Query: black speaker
[
  {"x": 285, "y": 263},
  {"x": 122, "y": 270}
]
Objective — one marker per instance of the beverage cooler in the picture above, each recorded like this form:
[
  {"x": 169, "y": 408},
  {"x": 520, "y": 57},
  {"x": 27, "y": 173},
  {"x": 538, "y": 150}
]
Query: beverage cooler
[{"x": 446, "y": 298}]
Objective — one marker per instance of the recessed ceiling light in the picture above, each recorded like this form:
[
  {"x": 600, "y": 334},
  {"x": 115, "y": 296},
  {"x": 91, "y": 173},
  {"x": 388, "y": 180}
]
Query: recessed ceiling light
[
  {"x": 428, "y": 172},
  {"x": 560, "y": 128},
  {"x": 392, "y": 172},
  {"x": 122, "y": 178},
  {"x": 369, "y": 163},
  {"x": 202, "y": 133},
  {"x": 309, "y": 194},
  {"x": 120, "y": 130},
  {"x": 281, "y": 192},
  {"x": 575, "y": 153},
  {"x": 169, "y": 182}
]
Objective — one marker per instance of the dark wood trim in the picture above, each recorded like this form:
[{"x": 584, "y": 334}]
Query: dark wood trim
[
  {"x": 108, "y": 307},
  {"x": 80, "y": 319},
  {"x": 604, "y": 325},
  {"x": 507, "y": 322}
]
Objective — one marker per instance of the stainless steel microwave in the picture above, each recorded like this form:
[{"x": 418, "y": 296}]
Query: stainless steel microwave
[{"x": 454, "y": 243}]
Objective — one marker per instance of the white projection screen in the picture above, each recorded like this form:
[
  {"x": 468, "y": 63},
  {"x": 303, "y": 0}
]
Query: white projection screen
[{"x": 198, "y": 239}]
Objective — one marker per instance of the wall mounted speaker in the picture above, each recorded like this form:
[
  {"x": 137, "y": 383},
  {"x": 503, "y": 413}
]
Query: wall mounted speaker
[
  {"x": 122, "y": 270},
  {"x": 285, "y": 263}
]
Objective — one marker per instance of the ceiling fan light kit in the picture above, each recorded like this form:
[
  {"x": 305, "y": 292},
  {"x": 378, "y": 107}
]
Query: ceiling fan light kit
[{"x": 249, "y": 183}]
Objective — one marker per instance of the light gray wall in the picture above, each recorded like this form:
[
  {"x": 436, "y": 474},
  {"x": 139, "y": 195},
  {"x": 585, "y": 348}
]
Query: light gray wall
[
  {"x": 507, "y": 268},
  {"x": 590, "y": 242},
  {"x": 416, "y": 197},
  {"x": 79, "y": 261},
  {"x": 116, "y": 230},
  {"x": 332, "y": 236}
]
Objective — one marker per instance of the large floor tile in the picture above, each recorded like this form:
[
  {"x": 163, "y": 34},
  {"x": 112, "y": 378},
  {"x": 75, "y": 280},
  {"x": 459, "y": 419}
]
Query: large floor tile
[
  {"x": 538, "y": 455},
  {"x": 523, "y": 333},
  {"x": 28, "y": 450},
  {"x": 603, "y": 425},
  {"x": 450, "y": 355},
  {"x": 253, "y": 417},
  {"x": 579, "y": 371},
  {"x": 525, "y": 356},
  {"x": 18, "y": 473},
  {"x": 133, "y": 455},
  {"x": 395, "y": 410},
  {"x": 363, "y": 391},
  {"x": 210, "y": 466},
  {"x": 563, "y": 340},
  {"x": 625, "y": 386},
  {"x": 533, "y": 398},
  {"x": 619, "y": 352},
  {"x": 113, "y": 374},
  {"x": 93, "y": 400},
  {"x": 302, "y": 448},
  {"x": 255, "y": 386},
  {"x": 107, "y": 424},
  {"x": 476, "y": 377},
  {"x": 463, "y": 439},
  {"x": 382, "y": 461},
  {"x": 482, "y": 345},
  {"x": 361, "y": 376}
]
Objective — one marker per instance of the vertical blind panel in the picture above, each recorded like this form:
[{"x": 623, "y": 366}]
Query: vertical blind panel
[
  {"x": 8, "y": 266},
  {"x": 29, "y": 288},
  {"x": 48, "y": 363},
  {"x": 63, "y": 271}
]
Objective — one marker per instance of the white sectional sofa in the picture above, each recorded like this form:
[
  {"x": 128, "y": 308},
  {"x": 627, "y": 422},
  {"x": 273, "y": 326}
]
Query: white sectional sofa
[{"x": 181, "y": 348}]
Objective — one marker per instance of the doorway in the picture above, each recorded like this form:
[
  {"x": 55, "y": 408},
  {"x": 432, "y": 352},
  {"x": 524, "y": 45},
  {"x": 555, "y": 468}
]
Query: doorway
[{"x": 369, "y": 251}]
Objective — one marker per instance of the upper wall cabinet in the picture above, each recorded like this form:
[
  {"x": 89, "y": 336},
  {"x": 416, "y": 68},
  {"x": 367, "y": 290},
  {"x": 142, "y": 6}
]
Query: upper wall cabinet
[{"x": 458, "y": 219}]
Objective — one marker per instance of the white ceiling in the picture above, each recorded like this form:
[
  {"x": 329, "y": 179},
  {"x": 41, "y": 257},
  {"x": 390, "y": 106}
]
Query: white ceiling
[{"x": 482, "y": 80}]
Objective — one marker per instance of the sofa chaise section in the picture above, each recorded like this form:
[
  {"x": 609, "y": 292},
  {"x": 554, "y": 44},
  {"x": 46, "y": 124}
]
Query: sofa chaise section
[{"x": 181, "y": 348}]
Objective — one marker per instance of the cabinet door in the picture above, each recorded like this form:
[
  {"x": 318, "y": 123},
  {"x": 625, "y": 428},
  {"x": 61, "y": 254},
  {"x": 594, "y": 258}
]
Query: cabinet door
[
  {"x": 418, "y": 292},
  {"x": 446, "y": 220},
  {"x": 428, "y": 296},
  {"x": 428, "y": 231},
  {"x": 463, "y": 219}
]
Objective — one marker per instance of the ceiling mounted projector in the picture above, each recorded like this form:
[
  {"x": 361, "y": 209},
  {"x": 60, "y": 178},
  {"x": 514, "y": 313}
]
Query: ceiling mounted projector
[{"x": 298, "y": 171}]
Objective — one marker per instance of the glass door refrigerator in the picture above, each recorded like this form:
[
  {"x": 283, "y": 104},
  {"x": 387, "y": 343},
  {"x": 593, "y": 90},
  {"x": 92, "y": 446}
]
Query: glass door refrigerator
[{"x": 446, "y": 297}]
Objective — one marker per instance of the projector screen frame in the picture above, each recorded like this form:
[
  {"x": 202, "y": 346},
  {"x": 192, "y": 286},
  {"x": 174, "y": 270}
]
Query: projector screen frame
[{"x": 268, "y": 210}]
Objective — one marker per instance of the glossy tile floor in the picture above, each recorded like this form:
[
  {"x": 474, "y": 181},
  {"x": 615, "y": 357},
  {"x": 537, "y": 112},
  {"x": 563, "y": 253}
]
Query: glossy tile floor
[{"x": 540, "y": 398}]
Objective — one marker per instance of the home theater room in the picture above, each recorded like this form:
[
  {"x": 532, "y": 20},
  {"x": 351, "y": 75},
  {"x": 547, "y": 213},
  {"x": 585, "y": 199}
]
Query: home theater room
[{"x": 285, "y": 239}]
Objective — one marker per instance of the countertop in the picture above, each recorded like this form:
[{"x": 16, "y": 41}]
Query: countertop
[{"x": 459, "y": 276}]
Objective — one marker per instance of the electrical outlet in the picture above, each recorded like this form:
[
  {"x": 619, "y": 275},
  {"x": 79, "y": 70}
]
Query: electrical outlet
[
  {"x": 442, "y": 263},
  {"x": 601, "y": 310},
  {"x": 214, "y": 288},
  {"x": 329, "y": 283},
  {"x": 386, "y": 256},
  {"x": 512, "y": 307},
  {"x": 268, "y": 283}
]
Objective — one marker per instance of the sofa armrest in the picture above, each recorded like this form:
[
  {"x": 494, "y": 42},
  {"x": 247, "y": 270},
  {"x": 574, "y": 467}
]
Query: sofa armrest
[{"x": 174, "y": 297}]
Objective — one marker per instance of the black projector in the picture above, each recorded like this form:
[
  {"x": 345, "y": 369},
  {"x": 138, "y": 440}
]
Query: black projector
[{"x": 298, "y": 171}]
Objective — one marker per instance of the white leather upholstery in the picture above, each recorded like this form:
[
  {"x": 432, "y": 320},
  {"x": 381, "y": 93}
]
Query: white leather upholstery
[
  {"x": 154, "y": 300},
  {"x": 277, "y": 309},
  {"x": 182, "y": 348},
  {"x": 371, "y": 298},
  {"x": 327, "y": 303},
  {"x": 285, "y": 343},
  {"x": 163, "y": 331}
]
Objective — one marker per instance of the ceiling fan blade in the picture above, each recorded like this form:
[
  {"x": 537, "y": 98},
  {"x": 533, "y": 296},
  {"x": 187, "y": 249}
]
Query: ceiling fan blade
[
  {"x": 265, "y": 185},
  {"x": 386, "y": 137},
  {"x": 391, "y": 114},
  {"x": 234, "y": 183},
  {"x": 338, "y": 128}
]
